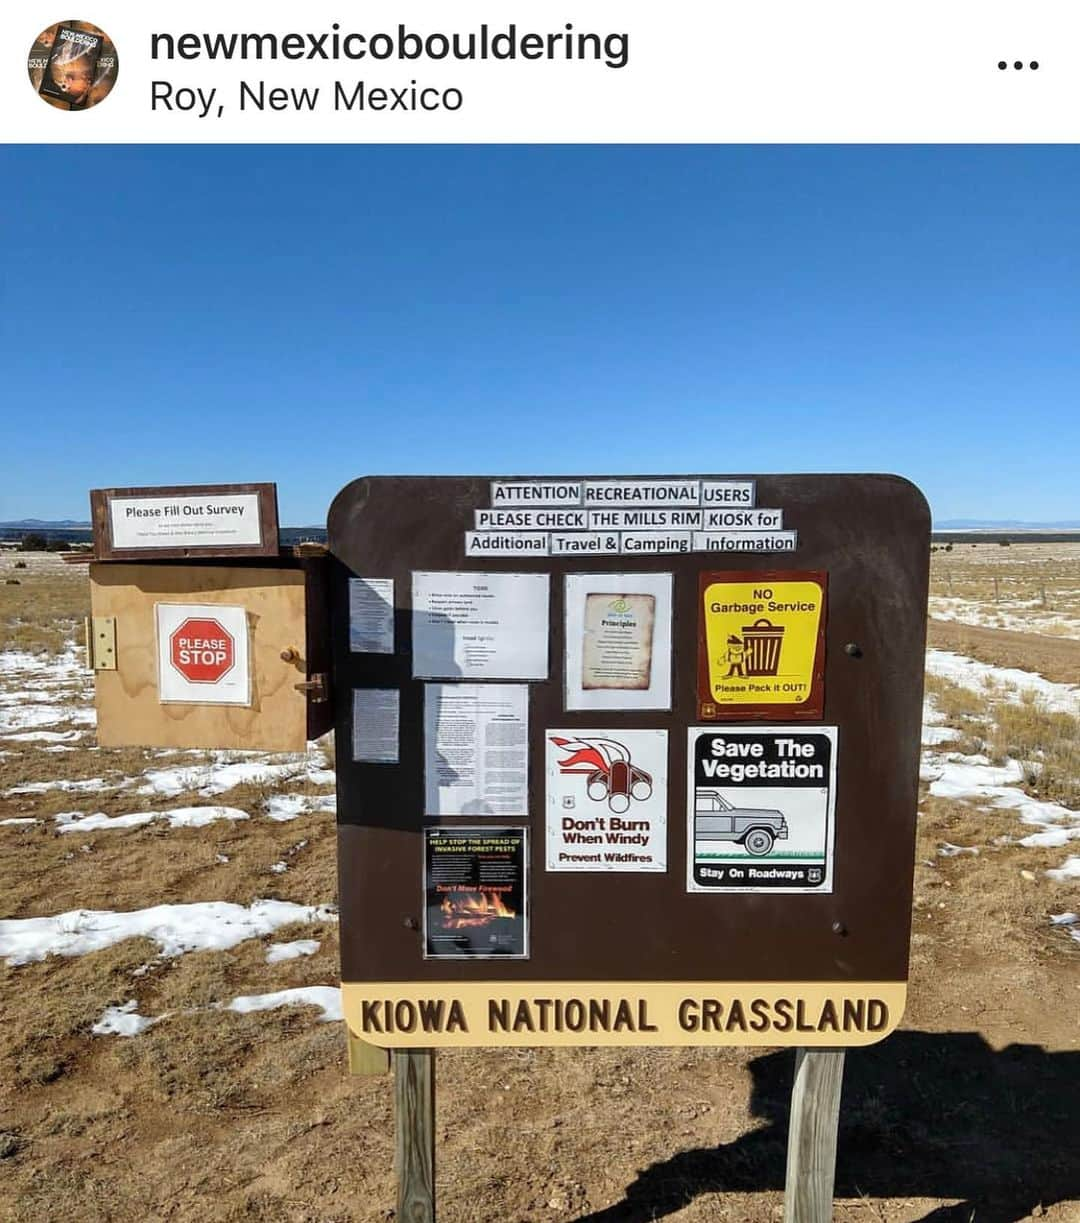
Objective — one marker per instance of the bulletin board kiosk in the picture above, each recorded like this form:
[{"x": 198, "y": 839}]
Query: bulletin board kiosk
[
  {"x": 620, "y": 760},
  {"x": 627, "y": 761}
]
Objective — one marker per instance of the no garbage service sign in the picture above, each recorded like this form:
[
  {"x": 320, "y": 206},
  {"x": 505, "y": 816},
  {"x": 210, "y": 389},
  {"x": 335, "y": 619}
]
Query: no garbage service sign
[{"x": 761, "y": 644}]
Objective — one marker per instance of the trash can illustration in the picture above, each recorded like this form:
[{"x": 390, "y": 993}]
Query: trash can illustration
[{"x": 762, "y": 640}]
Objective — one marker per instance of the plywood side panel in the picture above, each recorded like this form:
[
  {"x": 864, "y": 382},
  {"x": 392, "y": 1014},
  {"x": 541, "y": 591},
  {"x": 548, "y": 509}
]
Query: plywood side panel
[{"x": 128, "y": 708}]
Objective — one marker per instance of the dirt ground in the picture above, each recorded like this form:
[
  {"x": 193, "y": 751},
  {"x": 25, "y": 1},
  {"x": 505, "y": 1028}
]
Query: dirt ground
[
  {"x": 1055, "y": 658},
  {"x": 970, "y": 1112}
]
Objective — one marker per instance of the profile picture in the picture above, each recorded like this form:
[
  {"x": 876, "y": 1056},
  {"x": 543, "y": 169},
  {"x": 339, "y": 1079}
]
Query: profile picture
[{"x": 72, "y": 65}]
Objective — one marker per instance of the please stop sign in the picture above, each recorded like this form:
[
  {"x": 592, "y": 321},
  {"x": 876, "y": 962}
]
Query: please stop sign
[{"x": 202, "y": 650}]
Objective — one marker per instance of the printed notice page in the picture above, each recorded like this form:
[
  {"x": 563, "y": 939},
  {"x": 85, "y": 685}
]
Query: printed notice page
[
  {"x": 476, "y": 749},
  {"x": 618, "y": 640},
  {"x": 480, "y": 625},
  {"x": 221, "y": 520},
  {"x": 474, "y": 889},
  {"x": 376, "y": 715},
  {"x": 371, "y": 615}
]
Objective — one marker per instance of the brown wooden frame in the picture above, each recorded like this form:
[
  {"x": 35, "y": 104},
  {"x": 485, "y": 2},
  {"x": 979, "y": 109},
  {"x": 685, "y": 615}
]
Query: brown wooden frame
[{"x": 101, "y": 521}]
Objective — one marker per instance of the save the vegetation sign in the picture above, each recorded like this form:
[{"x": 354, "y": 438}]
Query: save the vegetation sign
[{"x": 761, "y": 809}]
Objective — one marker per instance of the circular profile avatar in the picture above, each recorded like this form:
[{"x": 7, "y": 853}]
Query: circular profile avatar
[{"x": 72, "y": 65}]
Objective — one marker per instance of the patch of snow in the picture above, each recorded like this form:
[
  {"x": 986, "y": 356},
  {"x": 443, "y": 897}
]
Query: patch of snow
[
  {"x": 1003, "y": 615},
  {"x": 1063, "y": 919},
  {"x": 948, "y": 850},
  {"x": 1070, "y": 869},
  {"x": 178, "y": 817},
  {"x": 972, "y": 779},
  {"x": 178, "y": 928},
  {"x": 45, "y": 736},
  {"x": 66, "y": 667},
  {"x": 19, "y": 820},
  {"x": 326, "y": 997},
  {"x": 223, "y": 773},
  {"x": 1007, "y": 683},
  {"x": 277, "y": 952},
  {"x": 84, "y": 786},
  {"x": 285, "y": 807},
  {"x": 933, "y": 736},
  {"x": 123, "y": 1021},
  {"x": 221, "y": 859},
  {"x": 279, "y": 868},
  {"x": 24, "y": 716},
  {"x": 1051, "y": 838}
]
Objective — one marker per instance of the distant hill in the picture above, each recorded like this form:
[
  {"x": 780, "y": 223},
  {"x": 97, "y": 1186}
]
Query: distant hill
[
  {"x": 1005, "y": 524},
  {"x": 43, "y": 524},
  {"x": 70, "y": 531}
]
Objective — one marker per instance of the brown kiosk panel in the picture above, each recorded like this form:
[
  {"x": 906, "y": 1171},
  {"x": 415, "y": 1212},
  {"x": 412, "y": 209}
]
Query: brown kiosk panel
[{"x": 869, "y": 536}]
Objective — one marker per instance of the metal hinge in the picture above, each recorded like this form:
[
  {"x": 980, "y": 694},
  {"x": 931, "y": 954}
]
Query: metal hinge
[
  {"x": 101, "y": 643},
  {"x": 316, "y": 688}
]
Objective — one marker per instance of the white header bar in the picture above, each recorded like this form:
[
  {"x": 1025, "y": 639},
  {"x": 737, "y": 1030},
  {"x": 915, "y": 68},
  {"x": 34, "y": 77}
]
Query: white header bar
[{"x": 524, "y": 71}]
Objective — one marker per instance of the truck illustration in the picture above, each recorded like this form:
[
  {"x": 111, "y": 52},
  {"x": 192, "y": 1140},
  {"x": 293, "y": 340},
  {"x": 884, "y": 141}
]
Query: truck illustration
[{"x": 755, "y": 829}]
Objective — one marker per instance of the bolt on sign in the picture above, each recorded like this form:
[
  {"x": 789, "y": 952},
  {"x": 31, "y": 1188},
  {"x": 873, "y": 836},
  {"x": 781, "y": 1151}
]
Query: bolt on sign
[{"x": 611, "y": 772}]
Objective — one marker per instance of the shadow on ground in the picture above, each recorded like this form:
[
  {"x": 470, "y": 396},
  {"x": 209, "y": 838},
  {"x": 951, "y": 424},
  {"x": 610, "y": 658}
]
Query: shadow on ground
[{"x": 923, "y": 1115}]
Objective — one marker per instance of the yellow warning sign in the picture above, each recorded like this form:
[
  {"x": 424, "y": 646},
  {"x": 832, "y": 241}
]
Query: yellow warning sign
[{"x": 761, "y": 644}]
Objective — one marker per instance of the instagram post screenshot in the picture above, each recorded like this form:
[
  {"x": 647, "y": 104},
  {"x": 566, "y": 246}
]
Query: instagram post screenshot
[{"x": 540, "y": 612}]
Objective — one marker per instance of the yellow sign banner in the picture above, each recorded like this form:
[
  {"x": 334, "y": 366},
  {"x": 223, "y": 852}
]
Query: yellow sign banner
[
  {"x": 762, "y": 644},
  {"x": 436, "y": 1015}
]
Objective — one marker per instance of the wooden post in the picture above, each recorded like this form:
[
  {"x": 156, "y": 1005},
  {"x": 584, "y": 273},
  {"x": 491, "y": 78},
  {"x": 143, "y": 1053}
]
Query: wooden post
[
  {"x": 365, "y": 1058},
  {"x": 414, "y": 1134},
  {"x": 811, "y": 1152}
]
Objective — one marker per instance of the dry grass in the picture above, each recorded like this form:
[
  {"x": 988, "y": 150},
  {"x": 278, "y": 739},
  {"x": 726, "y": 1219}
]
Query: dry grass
[
  {"x": 46, "y": 609},
  {"x": 215, "y": 1115},
  {"x": 1049, "y": 745},
  {"x": 1046, "y": 742},
  {"x": 1030, "y": 587}
]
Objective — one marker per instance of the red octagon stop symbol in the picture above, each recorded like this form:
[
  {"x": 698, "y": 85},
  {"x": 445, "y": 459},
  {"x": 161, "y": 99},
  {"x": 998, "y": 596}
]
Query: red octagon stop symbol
[{"x": 202, "y": 650}]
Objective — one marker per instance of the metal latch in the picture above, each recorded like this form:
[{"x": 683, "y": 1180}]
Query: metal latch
[
  {"x": 101, "y": 643},
  {"x": 316, "y": 689}
]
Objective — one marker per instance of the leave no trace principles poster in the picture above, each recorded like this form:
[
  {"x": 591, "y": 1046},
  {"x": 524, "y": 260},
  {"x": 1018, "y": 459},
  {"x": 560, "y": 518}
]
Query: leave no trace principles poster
[
  {"x": 475, "y": 893},
  {"x": 618, "y": 640}
]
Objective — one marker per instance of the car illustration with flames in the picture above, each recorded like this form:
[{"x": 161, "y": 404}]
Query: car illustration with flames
[
  {"x": 608, "y": 771},
  {"x": 756, "y": 829}
]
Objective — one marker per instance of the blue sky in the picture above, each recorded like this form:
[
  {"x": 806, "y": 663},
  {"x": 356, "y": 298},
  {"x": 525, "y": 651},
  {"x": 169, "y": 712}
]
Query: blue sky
[{"x": 308, "y": 315}]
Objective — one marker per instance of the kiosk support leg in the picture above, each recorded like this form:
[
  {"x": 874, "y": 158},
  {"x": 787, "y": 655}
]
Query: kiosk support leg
[
  {"x": 414, "y": 1134},
  {"x": 811, "y": 1152}
]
